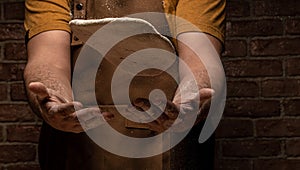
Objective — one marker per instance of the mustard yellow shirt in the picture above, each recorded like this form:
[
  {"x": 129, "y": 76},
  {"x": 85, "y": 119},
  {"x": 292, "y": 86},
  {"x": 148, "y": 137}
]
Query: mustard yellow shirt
[{"x": 207, "y": 15}]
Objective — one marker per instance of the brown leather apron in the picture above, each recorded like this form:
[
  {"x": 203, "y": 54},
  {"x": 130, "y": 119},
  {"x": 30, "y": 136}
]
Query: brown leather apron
[{"x": 92, "y": 156}]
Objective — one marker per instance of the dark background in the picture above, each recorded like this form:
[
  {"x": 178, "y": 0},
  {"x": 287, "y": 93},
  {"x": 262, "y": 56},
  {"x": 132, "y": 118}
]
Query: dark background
[{"x": 260, "y": 128}]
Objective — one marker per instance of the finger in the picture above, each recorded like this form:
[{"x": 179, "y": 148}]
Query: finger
[
  {"x": 107, "y": 116},
  {"x": 71, "y": 117},
  {"x": 92, "y": 122},
  {"x": 136, "y": 114},
  {"x": 65, "y": 108},
  {"x": 40, "y": 90},
  {"x": 205, "y": 97},
  {"x": 161, "y": 119},
  {"x": 154, "y": 126},
  {"x": 206, "y": 93},
  {"x": 144, "y": 105},
  {"x": 69, "y": 123},
  {"x": 92, "y": 117},
  {"x": 168, "y": 107},
  {"x": 88, "y": 113},
  {"x": 171, "y": 110}
]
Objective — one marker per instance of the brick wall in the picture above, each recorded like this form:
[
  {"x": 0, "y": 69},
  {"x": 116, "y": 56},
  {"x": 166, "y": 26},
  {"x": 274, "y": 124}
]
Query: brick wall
[
  {"x": 261, "y": 124},
  {"x": 19, "y": 128}
]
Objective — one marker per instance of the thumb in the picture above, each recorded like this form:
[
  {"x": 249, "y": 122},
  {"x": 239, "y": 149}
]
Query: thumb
[
  {"x": 206, "y": 93},
  {"x": 205, "y": 99},
  {"x": 39, "y": 89}
]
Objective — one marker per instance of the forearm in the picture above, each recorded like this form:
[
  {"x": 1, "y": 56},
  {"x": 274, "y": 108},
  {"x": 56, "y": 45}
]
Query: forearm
[
  {"x": 49, "y": 63},
  {"x": 200, "y": 52},
  {"x": 50, "y": 76}
]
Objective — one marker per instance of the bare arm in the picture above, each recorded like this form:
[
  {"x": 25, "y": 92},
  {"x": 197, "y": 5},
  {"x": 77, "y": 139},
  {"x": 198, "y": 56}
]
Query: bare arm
[
  {"x": 47, "y": 79},
  {"x": 48, "y": 83},
  {"x": 49, "y": 61},
  {"x": 200, "y": 52}
]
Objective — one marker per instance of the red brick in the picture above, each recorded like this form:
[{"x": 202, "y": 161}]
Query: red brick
[
  {"x": 13, "y": 31},
  {"x": 275, "y": 46},
  {"x": 17, "y": 153},
  {"x": 254, "y": 28},
  {"x": 293, "y": 147},
  {"x": 242, "y": 89},
  {"x": 292, "y": 107},
  {"x": 276, "y": 7},
  {"x": 1, "y": 49},
  {"x": 16, "y": 112},
  {"x": 23, "y": 167},
  {"x": 9, "y": 72},
  {"x": 23, "y": 133},
  {"x": 239, "y": 8},
  {"x": 281, "y": 87},
  {"x": 18, "y": 92},
  {"x": 235, "y": 48},
  {"x": 293, "y": 26},
  {"x": 1, "y": 134},
  {"x": 0, "y": 19},
  {"x": 252, "y": 108},
  {"x": 253, "y": 68},
  {"x": 231, "y": 128},
  {"x": 3, "y": 92},
  {"x": 233, "y": 164},
  {"x": 293, "y": 67},
  {"x": 278, "y": 127},
  {"x": 251, "y": 148},
  {"x": 15, "y": 51},
  {"x": 14, "y": 10},
  {"x": 276, "y": 164}
]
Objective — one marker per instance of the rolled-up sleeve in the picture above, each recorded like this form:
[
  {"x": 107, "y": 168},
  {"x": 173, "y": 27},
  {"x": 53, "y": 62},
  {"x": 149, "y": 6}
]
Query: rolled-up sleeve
[
  {"x": 46, "y": 15},
  {"x": 207, "y": 15}
]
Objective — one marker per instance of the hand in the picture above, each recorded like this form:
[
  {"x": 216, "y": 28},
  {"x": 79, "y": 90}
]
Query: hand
[
  {"x": 188, "y": 104},
  {"x": 64, "y": 115},
  {"x": 192, "y": 102}
]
